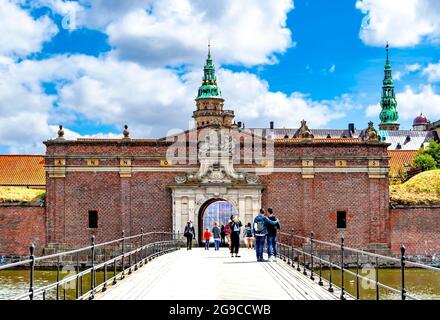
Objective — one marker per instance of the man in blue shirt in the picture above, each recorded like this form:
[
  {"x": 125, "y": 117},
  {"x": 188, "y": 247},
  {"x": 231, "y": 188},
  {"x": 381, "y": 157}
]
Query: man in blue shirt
[
  {"x": 260, "y": 232},
  {"x": 272, "y": 246}
]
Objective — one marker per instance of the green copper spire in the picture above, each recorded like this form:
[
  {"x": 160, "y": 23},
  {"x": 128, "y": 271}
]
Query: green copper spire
[
  {"x": 209, "y": 88},
  {"x": 388, "y": 115}
]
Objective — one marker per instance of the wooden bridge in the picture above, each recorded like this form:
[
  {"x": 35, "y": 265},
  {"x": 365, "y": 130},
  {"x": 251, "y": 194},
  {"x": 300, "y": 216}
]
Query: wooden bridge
[
  {"x": 211, "y": 275},
  {"x": 153, "y": 266}
]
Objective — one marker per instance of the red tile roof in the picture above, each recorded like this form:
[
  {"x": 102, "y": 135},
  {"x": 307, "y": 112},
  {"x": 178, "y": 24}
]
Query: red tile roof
[
  {"x": 401, "y": 159},
  {"x": 22, "y": 170}
]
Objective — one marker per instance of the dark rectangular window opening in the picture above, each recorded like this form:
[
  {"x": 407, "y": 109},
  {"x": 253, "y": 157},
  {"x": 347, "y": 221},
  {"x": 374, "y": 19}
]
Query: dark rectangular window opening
[
  {"x": 341, "y": 220},
  {"x": 93, "y": 219}
]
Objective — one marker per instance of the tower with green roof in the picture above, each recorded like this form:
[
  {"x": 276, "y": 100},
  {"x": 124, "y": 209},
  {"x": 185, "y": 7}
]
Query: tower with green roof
[
  {"x": 388, "y": 115},
  {"x": 209, "y": 100}
]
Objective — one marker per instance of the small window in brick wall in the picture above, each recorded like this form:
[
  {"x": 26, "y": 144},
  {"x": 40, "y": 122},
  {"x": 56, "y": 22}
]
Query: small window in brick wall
[
  {"x": 93, "y": 219},
  {"x": 341, "y": 220}
]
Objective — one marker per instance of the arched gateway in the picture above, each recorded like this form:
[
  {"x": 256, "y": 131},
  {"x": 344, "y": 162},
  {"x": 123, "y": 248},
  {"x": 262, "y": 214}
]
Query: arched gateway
[
  {"x": 215, "y": 180},
  {"x": 214, "y": 211}
]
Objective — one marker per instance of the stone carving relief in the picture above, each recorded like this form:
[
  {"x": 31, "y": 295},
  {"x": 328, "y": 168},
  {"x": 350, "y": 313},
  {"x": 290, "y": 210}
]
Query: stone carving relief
[
  {"x": 252, "y": 179},
  {"x": 181, "y": 179},
  {"x": 215, "y": 154}
]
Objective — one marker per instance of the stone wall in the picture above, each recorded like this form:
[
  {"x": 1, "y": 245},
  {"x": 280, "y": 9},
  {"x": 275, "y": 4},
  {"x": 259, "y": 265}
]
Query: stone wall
[
  {"x": 19, "y": 227},
  {"x": 417, "y": 227}
]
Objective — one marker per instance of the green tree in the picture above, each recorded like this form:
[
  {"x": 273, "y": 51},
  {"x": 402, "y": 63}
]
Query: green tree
[
  {"x": 425, "y": 162},
  {"x": 433, "y": 150}
]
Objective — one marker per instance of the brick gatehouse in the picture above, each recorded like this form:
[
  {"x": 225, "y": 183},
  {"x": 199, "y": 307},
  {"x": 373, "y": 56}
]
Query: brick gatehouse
[{"x": 320, "y": 184}]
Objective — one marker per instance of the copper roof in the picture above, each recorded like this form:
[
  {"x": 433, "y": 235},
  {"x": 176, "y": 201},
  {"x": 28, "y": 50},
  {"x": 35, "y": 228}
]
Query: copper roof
[
  {"x": 22, "y": 170},
  {"x": 420, "y": 120}
]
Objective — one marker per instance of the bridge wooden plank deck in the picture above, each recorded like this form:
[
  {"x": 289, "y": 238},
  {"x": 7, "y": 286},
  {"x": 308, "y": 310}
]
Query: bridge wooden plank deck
[{"x": 212, "y": 275}]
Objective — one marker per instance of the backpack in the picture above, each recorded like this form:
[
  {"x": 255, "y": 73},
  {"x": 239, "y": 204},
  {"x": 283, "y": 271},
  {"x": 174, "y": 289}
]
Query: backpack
[
  {"x": 187, "y": 232},
  {"x": 259, "y": 226},
  {"x": 248, "y": 232},
  {"x": 227, "y": 229}
]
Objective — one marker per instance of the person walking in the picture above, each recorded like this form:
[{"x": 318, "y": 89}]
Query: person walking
[
  {"x": 248, "y": 236},
  {"x": 222, "y": 235},
  {"x": 260, "y": 232},
  {"x": 272, "y": 246},
  {"x": 217, "y": 236},
  {"x": 207, "y": 238},
  {"x": 228, "y": 231},
  {"x": 189, "y": 233},
  {"x": 235, "y": 236}
]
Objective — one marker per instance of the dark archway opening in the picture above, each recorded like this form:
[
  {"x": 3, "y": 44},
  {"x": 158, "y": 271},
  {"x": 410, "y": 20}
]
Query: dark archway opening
[{"x": 214, "y": 211}]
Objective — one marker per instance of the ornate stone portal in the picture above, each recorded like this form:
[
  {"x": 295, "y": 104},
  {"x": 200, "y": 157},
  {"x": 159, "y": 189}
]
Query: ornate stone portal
[{"x": 216, "y": 179}]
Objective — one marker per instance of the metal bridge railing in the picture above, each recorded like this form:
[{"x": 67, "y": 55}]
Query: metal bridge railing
[
  {"x": 310, "y": 254},
  {"x": 118, "y": 258}
]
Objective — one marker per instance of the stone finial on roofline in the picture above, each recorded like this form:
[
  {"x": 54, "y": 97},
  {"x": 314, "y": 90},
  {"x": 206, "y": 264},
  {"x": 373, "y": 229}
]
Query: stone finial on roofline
[
  {"x": 371, "y": 133},
  {"x": 126, "y": 133},
  {"x": 61, "y": 133},
  {"x": 304, "y": 131}
]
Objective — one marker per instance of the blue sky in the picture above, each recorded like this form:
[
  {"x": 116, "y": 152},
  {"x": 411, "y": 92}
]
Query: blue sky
[{"x": 139, "y": 63}]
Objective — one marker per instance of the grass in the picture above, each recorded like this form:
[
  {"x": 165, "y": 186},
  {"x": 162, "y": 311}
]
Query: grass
[
  {"x": 21, "y": 195},
  {"x": 422, "y": 189}
]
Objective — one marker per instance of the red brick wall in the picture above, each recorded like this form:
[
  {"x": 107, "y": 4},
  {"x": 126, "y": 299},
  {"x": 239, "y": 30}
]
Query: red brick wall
[
  {"x": 143, "y": 201},
  {"x": 19, "y": 227},
  {"x": 307, "y": 205},
  {"x": 129, "y": 204},
  {"x": 418, "y": 228}
]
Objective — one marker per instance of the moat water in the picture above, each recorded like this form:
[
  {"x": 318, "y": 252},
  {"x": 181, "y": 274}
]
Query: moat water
[
  {"x": 421, "y": 283},
  {"x": 424, "y": 284}
]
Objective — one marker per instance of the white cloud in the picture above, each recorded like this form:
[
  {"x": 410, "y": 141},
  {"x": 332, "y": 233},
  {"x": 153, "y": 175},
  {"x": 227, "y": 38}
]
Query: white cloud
[
  {"x": 113, "y": 92},
  {"x": 401, "y": 22},
  {"x": 24, "y": 108},
  {"x": 153, "y": 100},
  {"x": 174, "y": 32},
  {"x": 21, "y": 34},
  {"x": 131, "y": 86},
  {"x": 411, "y": 103},
  {"x": 411, "y": 68},
  {"x": 177, "y": 31},
  {"x": 150, "y": 100},
  {"x": 27, "y": 111},
  {"x": 99, "y": 13},
  {"x": 433, "y": 72},
  {"x": 109, "y": 90},
  {"x": 372, "y": 111},
  {"x": 332, "y": 68},
  {"x": 61, "y": 7},
  {"x": 256, "y": 105},
  {"x": 398, "y": 75}
]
